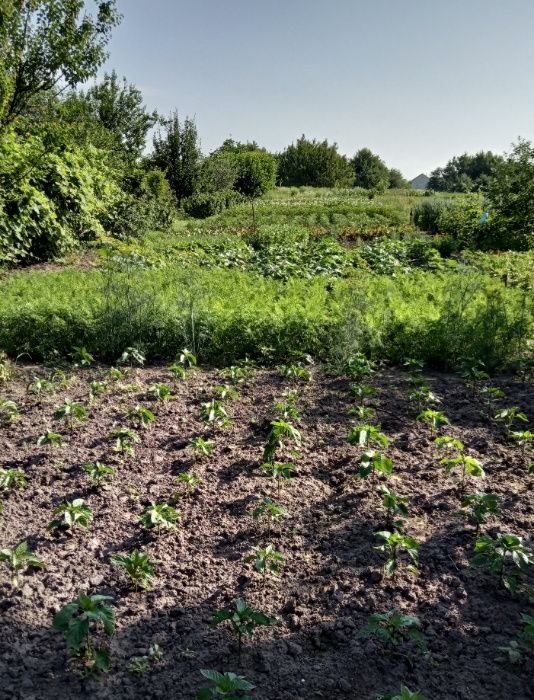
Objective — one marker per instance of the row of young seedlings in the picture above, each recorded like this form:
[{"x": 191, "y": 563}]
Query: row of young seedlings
[{"x": 503, "y": 555}]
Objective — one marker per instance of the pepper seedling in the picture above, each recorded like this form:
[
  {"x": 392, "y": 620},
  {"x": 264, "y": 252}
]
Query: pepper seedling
[
  {"x": 159, "y": 516},
  {"x": 243, "y": 619},
  {"x": 141, "y": 416},
  {"x": 9, "y": 412},
  {"x": 516, "y": 649},
  {"x": 433, "y": 419},
  {"x": 99, "y": 473},
  {"x": 139, "y": 566},
  {"x": 396, "y": 506},
  {"x": 125, "y": 438},
  {"x": 366, "y": 435},
  {"x": 132, "y": 356},
  {"x": 190, "y": 482},
  {"x": 80, "y": 620},
  {"x": 12, "y": 479},
  {"x": 142, "y": 664},
  {"x": 270, "y": 511},
  {"x": 73, "y": 513},
  {"x": 393, "y": 543},
  {"x": 281, "y": 473},
  {"x": 503, "y": 555},
  {"x": 266, "y": 561},
  {"x": 73, "y": 411},
  {"x": 372, "y": 463},
  {"x": 20, "y": 557},
  {"x": 225, "y": 685},
  {"x": 215, "y": 413},
  {"x": 393, "y": 628},
  {"x": 202, "y": 448},
  {"x": 479, "y": 505},
  {"x": 281, "y": 431},
  {"x": 82, "y": 356},
  {"x": 54, "y": 440},
  {"x": 405, "y": 694}
]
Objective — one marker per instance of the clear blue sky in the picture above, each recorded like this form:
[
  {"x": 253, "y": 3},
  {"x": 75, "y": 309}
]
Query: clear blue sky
[{"x": 417, "y": 81}]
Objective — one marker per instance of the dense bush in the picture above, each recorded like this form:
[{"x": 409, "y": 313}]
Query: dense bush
[
  {"x": 49, "y": 201},
  {"x": 205, "y": 204},
  {"x": 314, "y": 163}
]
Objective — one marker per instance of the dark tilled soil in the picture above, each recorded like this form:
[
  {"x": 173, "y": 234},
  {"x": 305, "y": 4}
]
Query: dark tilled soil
[{"x": 331, "y": 581}]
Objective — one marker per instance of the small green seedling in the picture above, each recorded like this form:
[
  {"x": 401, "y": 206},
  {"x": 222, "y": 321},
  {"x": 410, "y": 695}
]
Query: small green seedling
[
  {"x": 139, "y": 566},
  {"x": 40, "y": 386},
  {"x": 140, "y": 415},
  {"x": 80, "y": 620},
  {"x": 186, "y": 358},
  {"x": 468, "y": 466},
  {"x": 73, "y": 411},
  {"x": 287, "y": 408},
  {"x": 20, "y": 558},
  {"x": 143, "y": 664},
  {"x": 433, "y": 419},
  {"x": 295, "y": 372},
  {"x": 73, "y": 513},
  {"x": 504, "y": 556},
  {"x": 202, "y": 448},
  {"x": 450, "y": 444},
  {"x": 270, "y": 511},
  {"x": 373, "y": 463},
  {"x": 366, "y": 435},
  {"x": 523, "y": 438},
  {"x": 12, "y": 479},
  {"x": 5, "y": 368},
  {"x": 97, "y": 389},
  {"x": 478, "y": 505},
  {"x": 362, "y": 412},
  {"x": 393, "y": 544},
  {"x": 243, "y": 620},
  {"x": 237, "y": 374},
  {"x": 361, "y": 392},
  {"x": 125, "y": 439},
  {"x": 189, "y": 482},
  {"x": 99, "y": 473},
  {"x": 413, "y": 365},
  {"x": 160, "y": 516},
  {"x": 490, "y": 395},
  {"x": 132, "y": 356},
  {"x": 423, "y": 397},
  {"x": 226, "y": 393},
  {"x": 281, "y": 432},
  {"x": 159, "y": 391},
  {"x": 82, "y": 356},
  {"x": 509, "y": 416},
  {"x": 213, "y": 412},
  {"x": 177, "y": 371},
  {"x": 225, "y": 685},
  {"x": 516, "y": 650},
  {"x": 116, "y": 375},
  {"x": 393, "y": 628},
  {"x": 405, "y": 694},
  {"x": 359, "y": 367},
  {"x": 266, "y": 561},
  {"x": 281, "y": 473},
  {"x": 51, "y": 439},
  {"x": 9, "y": 412},
  {"x": 396, "y": 507}
]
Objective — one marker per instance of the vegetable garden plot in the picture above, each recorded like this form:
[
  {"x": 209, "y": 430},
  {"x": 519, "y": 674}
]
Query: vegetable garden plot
[{"x": 316, "y": 536}]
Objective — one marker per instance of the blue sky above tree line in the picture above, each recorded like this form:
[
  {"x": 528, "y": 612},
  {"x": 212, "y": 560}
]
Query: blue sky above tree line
[{"x": 416, "y": 81}]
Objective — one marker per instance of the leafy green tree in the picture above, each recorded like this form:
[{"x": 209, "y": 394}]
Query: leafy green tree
[
  {"x": 256, "y": 173},
  {"x": 511, "y": 195},
  {"x": 177, "y": 154},
  {"x": 370, "y": 171},
  {"x": 313, "y": 163},
  {"x": 397, "y": 180},
  {"x": 46, "y": 45},
  {"x": 119, "y": 107},
  {"x": 465, "y": 173}
]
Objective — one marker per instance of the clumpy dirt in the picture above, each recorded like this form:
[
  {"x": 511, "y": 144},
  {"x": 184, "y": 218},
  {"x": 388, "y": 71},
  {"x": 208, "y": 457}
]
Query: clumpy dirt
[{"x": 331, "y": 581}]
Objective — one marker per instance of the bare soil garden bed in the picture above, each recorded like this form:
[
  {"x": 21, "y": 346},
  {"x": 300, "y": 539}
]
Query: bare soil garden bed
[{"x": 331, "y": 581}]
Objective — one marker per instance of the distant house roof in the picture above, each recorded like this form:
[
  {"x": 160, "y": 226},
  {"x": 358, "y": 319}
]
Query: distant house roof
[{"x": 420, "y": 182}]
